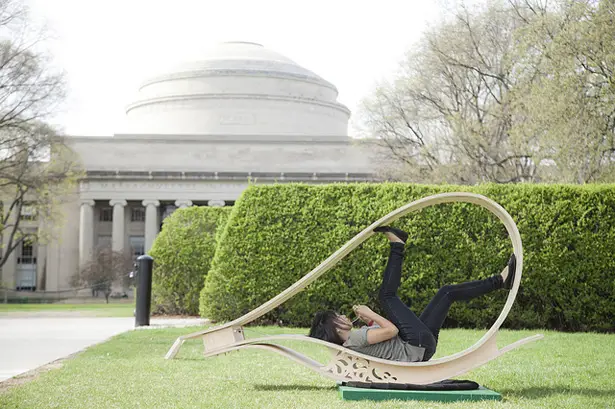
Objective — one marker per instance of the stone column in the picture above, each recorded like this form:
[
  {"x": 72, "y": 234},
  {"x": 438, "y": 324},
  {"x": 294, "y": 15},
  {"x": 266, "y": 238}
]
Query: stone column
[
  {"x": 183, "y": 203},
  {"x": 151, "y": 222},
  {"x": 118, "y": 234},
  {"x": 41, "y": 254},
  {"x": 215, "y": 203},
  {"x": 41, "y": 264},
  {"x": 86, "y": 231}
]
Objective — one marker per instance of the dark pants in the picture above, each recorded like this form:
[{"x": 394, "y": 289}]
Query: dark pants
[{"x": 423, "y": 331}]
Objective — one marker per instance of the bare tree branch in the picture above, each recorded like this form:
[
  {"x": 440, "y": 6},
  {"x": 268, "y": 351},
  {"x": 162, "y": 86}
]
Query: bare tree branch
[
  {"x": 496, "y": 90},
  {"x": 36, "y": 167}
]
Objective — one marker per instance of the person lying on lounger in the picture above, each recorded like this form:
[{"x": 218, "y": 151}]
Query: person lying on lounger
[{"x": 402, "y": 336}]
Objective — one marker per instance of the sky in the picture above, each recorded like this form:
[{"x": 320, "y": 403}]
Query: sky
[{"x": 107, "y": 48}]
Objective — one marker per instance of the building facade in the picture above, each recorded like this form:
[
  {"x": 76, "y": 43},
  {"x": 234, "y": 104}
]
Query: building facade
[{"x": 197, "y": 135}]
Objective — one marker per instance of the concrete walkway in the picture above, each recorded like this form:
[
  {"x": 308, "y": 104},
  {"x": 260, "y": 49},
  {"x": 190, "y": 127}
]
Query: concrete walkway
[{"x": 28, "y": 342}]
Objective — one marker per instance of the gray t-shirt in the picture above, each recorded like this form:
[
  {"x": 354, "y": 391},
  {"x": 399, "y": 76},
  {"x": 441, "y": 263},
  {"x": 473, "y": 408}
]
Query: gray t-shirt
[{"x": 394, "y": 349}]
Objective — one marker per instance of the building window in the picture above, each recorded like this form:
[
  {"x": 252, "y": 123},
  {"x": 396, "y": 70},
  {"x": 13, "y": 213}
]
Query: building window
[
  {"x": 28, "y": 212},
  {"x": 104, "y": 242},
  {"x": 27, "y": 254},
  {"x": 137, "y": 246},
  {"x": 106, "y": 214},
  {"x": 137, "y": 214},
  {"x": 167, "y": 211}
]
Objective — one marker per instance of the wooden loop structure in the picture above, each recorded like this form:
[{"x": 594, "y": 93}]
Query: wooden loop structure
[{"x": 348, "y": 365}]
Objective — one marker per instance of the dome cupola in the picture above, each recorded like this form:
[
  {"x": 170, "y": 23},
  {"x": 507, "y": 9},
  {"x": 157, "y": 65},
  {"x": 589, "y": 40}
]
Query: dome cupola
[{"x": 239, "y": 89}]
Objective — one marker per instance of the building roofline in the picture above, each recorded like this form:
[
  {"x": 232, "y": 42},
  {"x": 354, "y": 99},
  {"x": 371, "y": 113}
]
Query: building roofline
[
  {"x": 239, "y": 72},
  {"x": 230, "y": 176},
  {"x": 211, "y": 138}
]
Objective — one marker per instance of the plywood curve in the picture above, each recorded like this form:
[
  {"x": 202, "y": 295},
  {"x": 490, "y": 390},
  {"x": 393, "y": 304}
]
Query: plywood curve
[
  {"x": 231, "y": 341},
  {"x": 348, "y": 365}
]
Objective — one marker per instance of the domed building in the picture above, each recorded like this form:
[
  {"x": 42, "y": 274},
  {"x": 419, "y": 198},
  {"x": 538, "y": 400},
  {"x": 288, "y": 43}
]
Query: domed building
[
  {"x": 239, "y": 89},
  {"x": 196, "y": 136}
]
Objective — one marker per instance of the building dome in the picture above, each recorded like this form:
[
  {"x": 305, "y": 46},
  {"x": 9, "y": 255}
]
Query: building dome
[{"x": 239, "y": 89}]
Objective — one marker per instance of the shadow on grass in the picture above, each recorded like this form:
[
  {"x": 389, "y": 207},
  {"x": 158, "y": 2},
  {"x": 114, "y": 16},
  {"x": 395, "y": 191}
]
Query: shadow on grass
[
  {"x": 277, "y": 388},
  {"x": 538, "y": 393},
  {"x": 188, "y": 358}
]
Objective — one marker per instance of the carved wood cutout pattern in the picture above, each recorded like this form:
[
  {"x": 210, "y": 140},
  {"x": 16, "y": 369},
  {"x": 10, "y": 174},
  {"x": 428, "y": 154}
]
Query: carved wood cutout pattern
[{"x": 356, "y": 369}]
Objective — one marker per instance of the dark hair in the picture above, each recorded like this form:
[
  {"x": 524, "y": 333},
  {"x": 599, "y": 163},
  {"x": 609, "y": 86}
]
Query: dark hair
[{"x": 325, "y": 326}]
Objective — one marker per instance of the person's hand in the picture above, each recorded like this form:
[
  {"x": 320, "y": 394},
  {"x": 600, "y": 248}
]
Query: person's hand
[{"x": 363, "y": 312}]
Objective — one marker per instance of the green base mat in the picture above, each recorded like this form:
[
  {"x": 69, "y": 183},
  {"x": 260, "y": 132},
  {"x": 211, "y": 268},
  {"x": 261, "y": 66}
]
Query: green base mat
[{"x": 482, "y": 393}]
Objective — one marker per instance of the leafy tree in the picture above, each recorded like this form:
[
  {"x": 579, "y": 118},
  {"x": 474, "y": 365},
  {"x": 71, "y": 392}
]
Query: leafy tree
[
  {"x": 36, "y": 167},
  {"x": 507, "y": 91},
  {"x": 447, "y": 114},
  {"x": 570, "y": 105},
  {"x": 182, "y": 255}
]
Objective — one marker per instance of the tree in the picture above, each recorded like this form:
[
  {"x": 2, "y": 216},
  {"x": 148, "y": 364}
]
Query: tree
[
  {"x": 478, "y": 97},
  {"x": 106, "y": 268},
  {"x": 36, "y": 167},
  {"x": 572, "y": 102},
  {"x": 447, "y": 114}
]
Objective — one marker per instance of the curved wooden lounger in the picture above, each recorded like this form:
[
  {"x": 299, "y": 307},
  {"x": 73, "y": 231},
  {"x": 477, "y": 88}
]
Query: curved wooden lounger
[{"x": 348, "y": 365}]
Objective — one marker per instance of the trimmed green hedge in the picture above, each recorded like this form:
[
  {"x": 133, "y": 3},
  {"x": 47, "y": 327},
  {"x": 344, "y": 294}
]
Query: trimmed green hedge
[
  {"x": 182, "y": 255},
  {"x": 279, "y": 233}
]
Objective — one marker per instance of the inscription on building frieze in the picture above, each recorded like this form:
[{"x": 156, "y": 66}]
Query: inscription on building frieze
[
  {"x": 237, "y": 118},
  {"x": 158, "y": 186}
]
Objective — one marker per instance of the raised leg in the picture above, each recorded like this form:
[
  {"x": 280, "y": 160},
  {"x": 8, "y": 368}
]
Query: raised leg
[
  {"x": 411, "y": 328},
  {"x": 435, "y": 313}
]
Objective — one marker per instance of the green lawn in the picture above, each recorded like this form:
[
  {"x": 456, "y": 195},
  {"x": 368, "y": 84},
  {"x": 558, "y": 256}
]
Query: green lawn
[
  {"x": 117, "y": 309},
  {"x": 561, "y": 371}
]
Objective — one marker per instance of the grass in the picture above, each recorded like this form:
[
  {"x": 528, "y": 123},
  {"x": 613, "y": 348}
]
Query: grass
[
  {"x": 129, "y": 371},
  {"x": 119, "y": 309}
]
